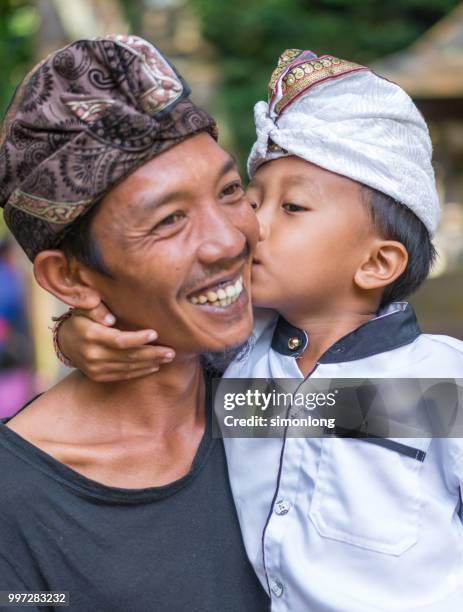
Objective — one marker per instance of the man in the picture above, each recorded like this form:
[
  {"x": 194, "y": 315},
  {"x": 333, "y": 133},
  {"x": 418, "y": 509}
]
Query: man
[{"x": 114, "y": 186}]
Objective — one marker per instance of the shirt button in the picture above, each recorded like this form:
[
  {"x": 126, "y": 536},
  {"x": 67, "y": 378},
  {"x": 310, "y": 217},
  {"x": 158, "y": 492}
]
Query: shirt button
[
  {"x": 294, "y": 342},
  {"x": 276, "y": 587},
  {"x": 282, "y": 507}
]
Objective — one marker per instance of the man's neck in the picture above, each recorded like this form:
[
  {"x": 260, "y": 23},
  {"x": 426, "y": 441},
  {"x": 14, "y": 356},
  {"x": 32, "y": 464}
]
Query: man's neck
[
  {"x": 160, "y": 402},
  {"x": 325, "y": 329},
  {"x": 132, "y": 434}
]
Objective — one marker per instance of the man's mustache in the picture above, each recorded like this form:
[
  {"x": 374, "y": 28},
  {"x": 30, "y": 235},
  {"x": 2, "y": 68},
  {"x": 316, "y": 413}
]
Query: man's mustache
[{"x": 221, "y": 266}]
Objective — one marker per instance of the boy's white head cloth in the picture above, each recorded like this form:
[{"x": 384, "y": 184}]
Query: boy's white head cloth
[{"x": 346, "y": 119}]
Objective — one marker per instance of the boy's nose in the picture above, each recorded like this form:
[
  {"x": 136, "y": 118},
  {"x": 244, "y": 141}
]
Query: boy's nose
[{"x": 263, "y": 228}]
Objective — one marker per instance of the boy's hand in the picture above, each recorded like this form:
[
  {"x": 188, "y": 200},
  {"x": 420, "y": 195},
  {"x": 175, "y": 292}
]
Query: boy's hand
[{"x": 105, "y": 354}]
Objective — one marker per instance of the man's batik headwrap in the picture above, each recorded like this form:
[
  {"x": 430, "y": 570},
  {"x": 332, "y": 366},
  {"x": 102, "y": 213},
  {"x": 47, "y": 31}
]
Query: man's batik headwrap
[
  {"x": 346, "y": 119},
  {"x": 80, "y": 122}
]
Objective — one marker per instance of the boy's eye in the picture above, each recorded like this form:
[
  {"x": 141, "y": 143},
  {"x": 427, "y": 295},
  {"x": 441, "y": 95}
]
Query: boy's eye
[
  {"x": 235, "y": 189},
  {"x": 294, "y": 208},
  {"x": 254, "y": 205},
  {"x": 171, "y": 219}
]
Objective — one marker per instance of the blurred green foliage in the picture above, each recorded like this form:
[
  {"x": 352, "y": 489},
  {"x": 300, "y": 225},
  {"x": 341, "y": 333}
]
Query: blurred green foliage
[
  {"x": 249, "y": 35},
  {"x": 19, "y": 21}
]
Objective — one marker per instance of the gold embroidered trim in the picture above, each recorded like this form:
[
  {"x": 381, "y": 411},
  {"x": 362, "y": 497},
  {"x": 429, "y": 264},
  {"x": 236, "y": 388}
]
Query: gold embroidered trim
[
  {"x": 285, "y": 58},
  {"x": 307, "y": 74}
]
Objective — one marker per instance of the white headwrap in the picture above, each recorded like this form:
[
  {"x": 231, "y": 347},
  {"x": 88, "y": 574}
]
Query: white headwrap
[{"x": 346, "y": 119}]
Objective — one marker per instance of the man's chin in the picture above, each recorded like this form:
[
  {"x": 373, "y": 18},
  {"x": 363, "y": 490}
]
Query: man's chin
[
  {"x": 218, "y": 361},
  {"x": 226, "y": 342},
  {"x": 215, "y": 334}
]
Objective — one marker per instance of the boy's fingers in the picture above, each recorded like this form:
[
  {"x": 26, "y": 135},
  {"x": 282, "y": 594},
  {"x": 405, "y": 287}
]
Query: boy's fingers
[
  {"x": 115, "y": 339},
  {"x": 99, "y": 314},
  {"x": 128, "y": 339},
  {"x": 111, "y": 361},
  {"x": 153, "y": 354}
]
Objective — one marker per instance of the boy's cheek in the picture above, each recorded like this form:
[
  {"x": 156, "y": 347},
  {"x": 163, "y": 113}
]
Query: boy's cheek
[
  {"x": 252, "y": 229},
  {"x": 267, "y": 290}
]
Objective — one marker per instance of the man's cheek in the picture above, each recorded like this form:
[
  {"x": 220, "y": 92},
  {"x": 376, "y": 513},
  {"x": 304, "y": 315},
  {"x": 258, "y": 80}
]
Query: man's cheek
[{"x": 244, "y": 219}]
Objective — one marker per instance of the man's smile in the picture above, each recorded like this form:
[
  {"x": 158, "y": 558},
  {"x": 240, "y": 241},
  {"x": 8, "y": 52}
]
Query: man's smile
[{"x": 221, "y": 294}]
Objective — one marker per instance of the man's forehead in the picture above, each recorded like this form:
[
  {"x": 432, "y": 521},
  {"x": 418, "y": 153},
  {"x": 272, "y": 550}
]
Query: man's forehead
[{"x": 147, "y": 189}]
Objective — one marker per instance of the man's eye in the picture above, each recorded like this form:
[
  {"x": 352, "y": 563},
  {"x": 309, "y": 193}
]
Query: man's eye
[
  {"x": 171, "y": 219},
  {"x": 233, "y": 190},
  {"x": 294, "y": 208}
]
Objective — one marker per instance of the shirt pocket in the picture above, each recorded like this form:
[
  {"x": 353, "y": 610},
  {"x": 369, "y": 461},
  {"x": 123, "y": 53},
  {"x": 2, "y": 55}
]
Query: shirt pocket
[{"x": 368, "y": 492}]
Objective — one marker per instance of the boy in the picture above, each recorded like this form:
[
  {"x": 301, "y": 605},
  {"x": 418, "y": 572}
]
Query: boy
[{"x": 342, "y": 181}]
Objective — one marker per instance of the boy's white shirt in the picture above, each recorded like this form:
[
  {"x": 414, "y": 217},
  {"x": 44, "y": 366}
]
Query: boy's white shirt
[{"x": 338, "y": 525}]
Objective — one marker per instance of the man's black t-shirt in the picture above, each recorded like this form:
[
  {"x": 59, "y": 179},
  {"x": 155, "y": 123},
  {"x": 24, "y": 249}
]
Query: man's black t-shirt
[{"x": 167, "y": 549}]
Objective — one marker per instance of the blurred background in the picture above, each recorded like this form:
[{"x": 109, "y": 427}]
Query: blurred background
[{"x": 227, "y": 49}]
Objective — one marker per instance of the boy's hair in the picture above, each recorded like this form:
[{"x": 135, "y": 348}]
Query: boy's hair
[
  {"x": 80, "y": 244},
  {"x": 394, "y": 221}
]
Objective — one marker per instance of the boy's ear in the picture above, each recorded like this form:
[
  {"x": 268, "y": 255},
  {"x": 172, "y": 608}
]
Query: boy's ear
[
  {"x": 386, "y": 261},
  {"x": 63, "y": 279}
]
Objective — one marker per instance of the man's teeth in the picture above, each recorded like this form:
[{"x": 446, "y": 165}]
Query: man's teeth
[{"x": 222, "y": 297}]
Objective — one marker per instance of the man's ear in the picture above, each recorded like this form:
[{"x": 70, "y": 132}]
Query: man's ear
[
  {"x": 63, "y": 279},
  {"x": 386, "y": 261}
]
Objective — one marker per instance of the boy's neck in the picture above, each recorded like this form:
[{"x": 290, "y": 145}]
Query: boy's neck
[{"x": 325, "y": 329}]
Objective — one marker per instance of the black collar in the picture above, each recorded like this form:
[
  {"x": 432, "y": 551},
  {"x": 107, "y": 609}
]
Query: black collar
[{"x": 394, "y": 326}]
